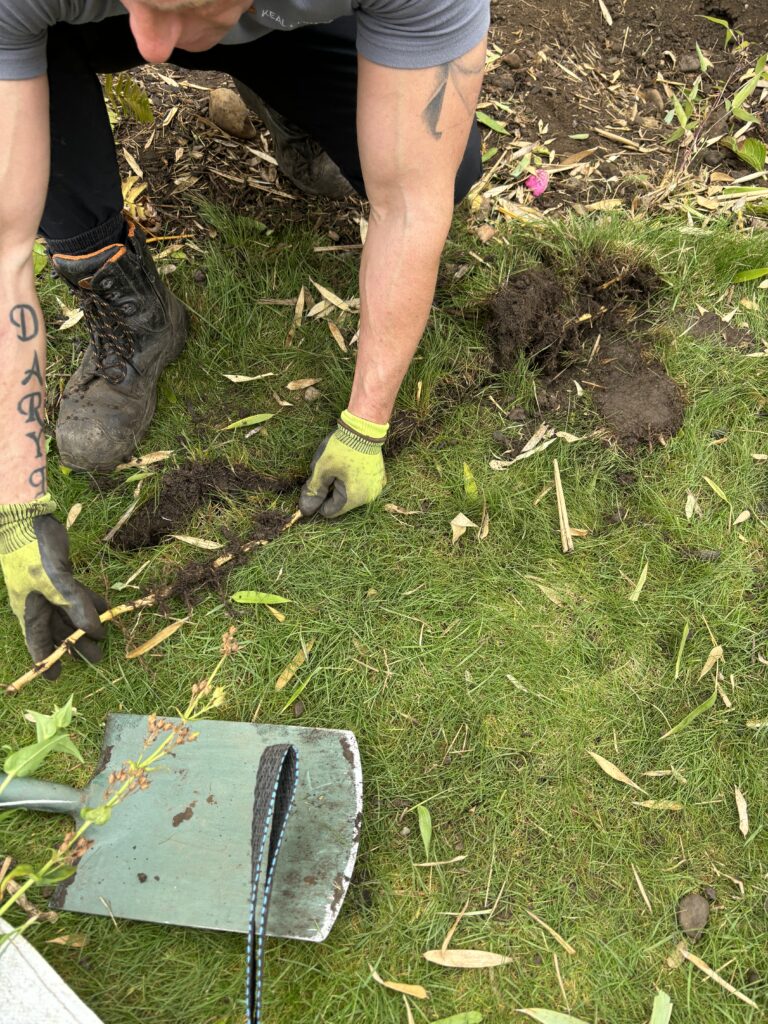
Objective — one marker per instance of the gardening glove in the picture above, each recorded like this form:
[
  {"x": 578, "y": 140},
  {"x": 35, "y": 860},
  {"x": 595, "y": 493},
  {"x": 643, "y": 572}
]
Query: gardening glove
[
  {"x": 347, "y": 469},
  {"x": 44, "y": 596}
]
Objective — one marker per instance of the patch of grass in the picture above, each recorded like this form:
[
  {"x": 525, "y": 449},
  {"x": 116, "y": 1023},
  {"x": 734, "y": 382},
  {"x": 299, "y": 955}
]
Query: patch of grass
[{"x": 415, "y": 639}]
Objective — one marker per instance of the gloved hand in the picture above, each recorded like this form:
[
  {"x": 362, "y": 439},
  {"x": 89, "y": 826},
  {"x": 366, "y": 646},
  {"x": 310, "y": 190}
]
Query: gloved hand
[
  {"x": 46, "y": 599},
  {"x": 347, "y": 469}
]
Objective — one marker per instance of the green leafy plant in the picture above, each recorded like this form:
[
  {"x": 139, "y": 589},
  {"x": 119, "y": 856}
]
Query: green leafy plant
[{"x": 127, "y": 98}]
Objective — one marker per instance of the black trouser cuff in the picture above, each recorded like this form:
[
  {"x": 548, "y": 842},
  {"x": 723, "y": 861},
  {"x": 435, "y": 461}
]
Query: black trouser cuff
[{"x": 111, "y": 231}]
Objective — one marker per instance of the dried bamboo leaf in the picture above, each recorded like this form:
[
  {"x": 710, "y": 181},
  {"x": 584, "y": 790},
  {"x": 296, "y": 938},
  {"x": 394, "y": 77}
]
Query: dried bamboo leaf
[
  {"x": 416, "y": 991},
  {"x": 157, "y": 639},
  {"x": 466, "y": 959},
  {"x": 615, "y": 773}
]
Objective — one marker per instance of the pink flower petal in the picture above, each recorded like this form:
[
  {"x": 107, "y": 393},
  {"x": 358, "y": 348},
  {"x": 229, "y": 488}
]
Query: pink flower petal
[{"x": 537, "y": 183}]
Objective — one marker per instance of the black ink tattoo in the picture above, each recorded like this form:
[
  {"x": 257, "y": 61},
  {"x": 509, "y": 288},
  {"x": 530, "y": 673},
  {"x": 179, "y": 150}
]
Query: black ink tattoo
[
  {"x": 30, "y": 405},
  {"x": 33, "y": 373},
  {"x": 37, "y": 479},
  {"x": 24, "y": 319},
  {"x": 38, "y": 439},
  {"x": 452, "y": 73}
]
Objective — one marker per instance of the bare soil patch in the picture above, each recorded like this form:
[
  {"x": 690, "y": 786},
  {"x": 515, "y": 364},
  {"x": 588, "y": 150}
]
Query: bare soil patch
[
  {"x": 185, "y": 489},
  {"x": 594, "y": 333}
]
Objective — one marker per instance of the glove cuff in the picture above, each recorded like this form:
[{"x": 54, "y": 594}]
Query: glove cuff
[
  {"x": 16, "y": 522},
  {"x": 361, "y": 435}
]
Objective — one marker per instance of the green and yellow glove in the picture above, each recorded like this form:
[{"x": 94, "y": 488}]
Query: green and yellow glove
[
  {"x": 44, "y": 596},
  {"x": 347, "y": 469}
]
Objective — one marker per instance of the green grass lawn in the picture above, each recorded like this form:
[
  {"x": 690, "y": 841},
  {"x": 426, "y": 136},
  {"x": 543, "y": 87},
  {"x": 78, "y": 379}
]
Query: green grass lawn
[{"x": 476, "y": 675}]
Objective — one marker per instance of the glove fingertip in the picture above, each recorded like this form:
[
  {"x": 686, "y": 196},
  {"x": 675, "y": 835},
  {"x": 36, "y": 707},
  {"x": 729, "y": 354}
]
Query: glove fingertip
[{"x": 53, "y": 672}]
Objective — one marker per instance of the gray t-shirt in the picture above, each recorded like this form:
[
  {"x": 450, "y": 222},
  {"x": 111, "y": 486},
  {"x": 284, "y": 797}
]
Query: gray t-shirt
[{"x": 395, "y": 33}]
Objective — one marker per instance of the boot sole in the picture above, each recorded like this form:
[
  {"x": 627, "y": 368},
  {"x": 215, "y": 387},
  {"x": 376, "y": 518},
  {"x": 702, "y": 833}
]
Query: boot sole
[{"x": 180, "y": 314}]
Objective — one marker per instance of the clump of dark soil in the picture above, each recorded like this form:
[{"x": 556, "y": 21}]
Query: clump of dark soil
[
  {"x": 194, "y": 580},
  {"x": 183, "y": 490},
  {"x": 710, "y": 325},
  {"x": 595, "y": 331}
]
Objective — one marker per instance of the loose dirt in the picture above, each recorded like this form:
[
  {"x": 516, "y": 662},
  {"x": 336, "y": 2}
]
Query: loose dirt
[
  {"x": 185, "y": 489},
  {"x": 595, "y": 333}
]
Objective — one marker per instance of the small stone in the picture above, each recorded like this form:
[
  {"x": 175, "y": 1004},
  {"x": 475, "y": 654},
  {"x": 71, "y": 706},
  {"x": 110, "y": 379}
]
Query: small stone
[
  {"x": 517, "y": 415},
  {"x": 692, "y": 915},
  {"x": 712, "y": 157},
  {"x": 485, "y": 232},
  {"x": 512, "y": 61},
  {"x": 501, "y": 438},
  {"x": 710, "y": 893},
  {"x": 688, "y": 63},
  {"x": 311, "y": 394},
  {"x": 200, "y": 277},
  {"x": 227, "y": 110},
  {"x": 405, "y": 832},
  {"x": 298, "y": 708}
]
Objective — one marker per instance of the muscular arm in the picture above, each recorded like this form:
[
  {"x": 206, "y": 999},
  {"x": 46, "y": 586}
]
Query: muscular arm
[
  {"x": 412, "y": 133},
  {"x": 24, "y": 164}
]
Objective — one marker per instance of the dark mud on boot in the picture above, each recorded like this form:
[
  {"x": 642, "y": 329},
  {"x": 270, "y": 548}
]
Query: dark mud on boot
[
  {"x": 596, "y": 332},
  {"x": 184, "y": 490}
]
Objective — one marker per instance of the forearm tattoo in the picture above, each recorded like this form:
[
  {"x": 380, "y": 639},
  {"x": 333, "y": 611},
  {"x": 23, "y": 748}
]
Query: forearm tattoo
[
  {"x": 453, "y": 73},
  {"x": 30, "y": 406}
]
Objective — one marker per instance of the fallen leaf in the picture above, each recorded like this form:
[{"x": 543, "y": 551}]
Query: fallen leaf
[
  {"x": 548, "y": 592},
  {"x": 145, "y": 460},
  {"x": 441, "y": 863},
  {"x": 742, "y": 517},
  {"x": 72, "y": 515},
  {"x": 397, "y": 510},
  {"x": 759, "y": 457},
  {"x": 257, "y": 597},
  {"x": 551, "y": 1017},
  {"x": 239, "y": 378},
  {"x": 470, "y": 484},
  {"x": 331, "y": 297},
  {"x": 485, "y": 525},
  {"x": 713, "y": 657},
  {"x": 635, "y": 595},
  {"x": 198, "y": 542},
  {"x": 468, "y": 959},
  {"x": 277, "y": 614},
  {"x": 294, "y": 665},
  {"x": 615, "y": 773},
  {"x": 662, "y": 1009},
  {"x": 337, "y": 336},
  {"x": 158, "y": 638},
  {"x": 704, "y": 706},
  {"x": 659, "y": 805},
  {"x": 425, "y": 827},
  {"x": 551, "y": 931},
  {"x": 74, "y": 316},
  {"x": 303, "y": 382},
  {"x": 469, "y": 1017},
  {"x": 717, "y": 489},
  {"x": 416, "y": 991},
  {"x": 459, "y": 526},
  {"x": 741, "y": 806},
  {"x": 251, "y": 421},
  {"x": 76, "y": 940},
  {"x": 691, "y": 506}
]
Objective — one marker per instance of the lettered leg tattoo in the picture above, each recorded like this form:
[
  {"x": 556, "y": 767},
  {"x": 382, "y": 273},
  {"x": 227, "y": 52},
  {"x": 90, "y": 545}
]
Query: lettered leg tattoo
[{"x": 25, "y": 321}]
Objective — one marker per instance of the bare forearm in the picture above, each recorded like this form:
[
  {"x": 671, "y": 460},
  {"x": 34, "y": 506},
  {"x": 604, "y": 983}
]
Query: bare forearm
[
  {"x": 22, "y": 388},
  {"x": 397, "y": 284}
]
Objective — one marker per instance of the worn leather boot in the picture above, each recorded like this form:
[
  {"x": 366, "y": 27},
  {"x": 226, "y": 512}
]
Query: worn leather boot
[
  {"x": 137, "y": 328},
  {"x": 299, "y": 157}
]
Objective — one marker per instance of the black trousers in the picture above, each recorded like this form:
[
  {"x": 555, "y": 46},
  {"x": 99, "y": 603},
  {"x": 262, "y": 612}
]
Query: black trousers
[{"x": 309, "y": 75}]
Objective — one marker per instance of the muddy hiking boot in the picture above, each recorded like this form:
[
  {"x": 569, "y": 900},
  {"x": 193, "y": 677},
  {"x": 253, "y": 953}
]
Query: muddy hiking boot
[
  {"x": 137, "y": 328},
  {"x": 299, "y": 157}
]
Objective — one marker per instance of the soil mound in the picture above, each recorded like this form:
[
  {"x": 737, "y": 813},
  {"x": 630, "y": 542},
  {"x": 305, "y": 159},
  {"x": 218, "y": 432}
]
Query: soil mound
[
  {"x": 183, "y": 490},
  {"x": 593, "y": 332}
]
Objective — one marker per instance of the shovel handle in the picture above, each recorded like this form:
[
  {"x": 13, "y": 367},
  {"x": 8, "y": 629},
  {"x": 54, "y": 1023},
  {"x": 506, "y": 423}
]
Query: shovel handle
[{"x": 39, "y": 795}]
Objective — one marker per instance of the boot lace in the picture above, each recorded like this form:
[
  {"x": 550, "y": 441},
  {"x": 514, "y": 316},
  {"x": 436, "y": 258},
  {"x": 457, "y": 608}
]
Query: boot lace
[{"x": 112, "y": 342}]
